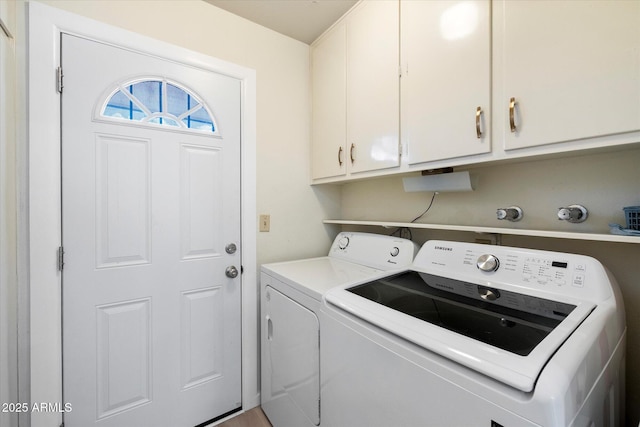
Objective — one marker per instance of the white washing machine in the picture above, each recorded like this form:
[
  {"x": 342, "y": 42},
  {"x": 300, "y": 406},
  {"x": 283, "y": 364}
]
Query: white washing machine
[
  {"x": 291, "y": 294},
  {"x": 476, "y": 335}
]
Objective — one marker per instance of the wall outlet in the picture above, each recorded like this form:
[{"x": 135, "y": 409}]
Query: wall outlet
[{"x": 265, "y": 223}]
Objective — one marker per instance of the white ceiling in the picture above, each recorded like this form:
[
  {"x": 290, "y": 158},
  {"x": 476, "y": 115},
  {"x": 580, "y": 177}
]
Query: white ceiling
[{"x": 302, "y": 20}]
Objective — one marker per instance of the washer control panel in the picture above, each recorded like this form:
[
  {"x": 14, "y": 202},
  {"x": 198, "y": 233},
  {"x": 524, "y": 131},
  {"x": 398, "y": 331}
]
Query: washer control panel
[{"x": 562, "y": 273}]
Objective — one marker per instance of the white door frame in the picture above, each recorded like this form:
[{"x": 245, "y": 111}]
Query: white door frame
[{"x": 43, "y": 202}]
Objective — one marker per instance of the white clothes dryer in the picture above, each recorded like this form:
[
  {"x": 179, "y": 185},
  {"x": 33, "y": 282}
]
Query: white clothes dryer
[{"x": 291, "y": 294}]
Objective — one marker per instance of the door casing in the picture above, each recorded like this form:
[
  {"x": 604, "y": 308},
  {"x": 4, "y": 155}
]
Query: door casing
[{"x": 40, "y": 234}]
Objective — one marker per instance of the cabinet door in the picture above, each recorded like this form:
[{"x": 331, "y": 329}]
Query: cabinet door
[
  {"x": 373, "y": 91},
  {"x": 573, "y": 69},
  {"x": 329, "y": 115},
  {"x": 446, "y": 81}
]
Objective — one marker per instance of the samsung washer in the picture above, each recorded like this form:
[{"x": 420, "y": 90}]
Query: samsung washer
[{"x": 476, "y": 335}]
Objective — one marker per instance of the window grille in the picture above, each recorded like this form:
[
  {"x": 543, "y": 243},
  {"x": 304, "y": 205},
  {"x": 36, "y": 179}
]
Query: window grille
[{"x": 159, "y": 102}]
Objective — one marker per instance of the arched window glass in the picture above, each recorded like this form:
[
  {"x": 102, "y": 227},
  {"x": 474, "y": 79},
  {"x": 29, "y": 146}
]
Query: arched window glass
[{"x": 159, "y": 102}]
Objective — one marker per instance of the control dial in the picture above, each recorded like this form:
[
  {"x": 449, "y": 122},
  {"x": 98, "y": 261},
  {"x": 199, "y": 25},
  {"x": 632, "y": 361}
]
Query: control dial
[
  {"x": 488, "y": 294},
  {"x": 488, "y": 262},
  {"x": 343, "y": 242}
]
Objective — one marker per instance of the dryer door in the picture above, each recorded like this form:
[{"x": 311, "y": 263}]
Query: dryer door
[{"x": 292, "y": 366}]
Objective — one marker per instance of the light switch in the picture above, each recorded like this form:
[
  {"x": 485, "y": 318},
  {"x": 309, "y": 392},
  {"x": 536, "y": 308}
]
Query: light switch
[{"x": 265, "y": 222}]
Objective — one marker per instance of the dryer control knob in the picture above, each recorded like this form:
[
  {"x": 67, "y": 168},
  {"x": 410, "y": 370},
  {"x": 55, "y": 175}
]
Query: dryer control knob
[
  {"x": 394, "y": 251},
  {"x": 343, "y": 242},
  {"x": 488, "y": 262}
]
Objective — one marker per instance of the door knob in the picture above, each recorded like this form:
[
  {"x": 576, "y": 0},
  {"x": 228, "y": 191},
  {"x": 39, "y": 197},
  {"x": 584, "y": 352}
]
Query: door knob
[{"x": 231, "y": 272}]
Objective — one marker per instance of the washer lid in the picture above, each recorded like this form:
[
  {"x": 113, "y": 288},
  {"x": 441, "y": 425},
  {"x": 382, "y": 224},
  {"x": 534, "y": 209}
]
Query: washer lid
[{"x": 510, "y": 341}]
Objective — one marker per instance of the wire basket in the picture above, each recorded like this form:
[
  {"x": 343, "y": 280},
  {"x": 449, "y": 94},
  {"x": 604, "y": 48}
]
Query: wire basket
[{"x": 632, "y": 214}]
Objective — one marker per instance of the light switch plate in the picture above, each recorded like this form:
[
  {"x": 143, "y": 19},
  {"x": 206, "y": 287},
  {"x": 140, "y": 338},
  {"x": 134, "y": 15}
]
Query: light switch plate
[{"x": 265, "y": 223}]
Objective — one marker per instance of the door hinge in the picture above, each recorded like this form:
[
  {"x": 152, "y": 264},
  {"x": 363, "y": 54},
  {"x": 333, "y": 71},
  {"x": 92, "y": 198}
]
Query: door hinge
[
  {"x": 60, "y": 258},
  {"x": 59, "y": 78}
]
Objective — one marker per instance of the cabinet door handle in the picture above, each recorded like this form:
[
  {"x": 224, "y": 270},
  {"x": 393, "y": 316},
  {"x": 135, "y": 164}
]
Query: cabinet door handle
[
  {"x": 340, "y": 156},
  {"x": 353, "y": 146},
  {"x": 512, "y": 114},
  {"x": 478, "y": 116}
]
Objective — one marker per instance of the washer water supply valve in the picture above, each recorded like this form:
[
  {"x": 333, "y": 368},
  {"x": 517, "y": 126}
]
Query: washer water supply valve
[
  {"x": 512, "y": 213},
  {"x": 573, "y": 213}
]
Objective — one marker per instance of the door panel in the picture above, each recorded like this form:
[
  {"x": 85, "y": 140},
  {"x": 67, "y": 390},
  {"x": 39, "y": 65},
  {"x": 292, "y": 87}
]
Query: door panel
[
  {"x": 123, "y": 333},
  {"x": 122, "y": 179},
  {"x": 201, "y": 329},
  {"x": 201, "y": 195},
  {"x": 151, "y": 323}
]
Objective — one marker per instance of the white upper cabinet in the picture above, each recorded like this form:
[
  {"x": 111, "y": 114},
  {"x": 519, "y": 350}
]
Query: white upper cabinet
[
  {"x": 329, "y": 105},
  {"x": 472, "y": 81},
  {"x": 373, "y": 94},
  {"x": 446, "y": 79},
  {"x": 567, "y": 70},
  {"x": 355, "y": 93}
]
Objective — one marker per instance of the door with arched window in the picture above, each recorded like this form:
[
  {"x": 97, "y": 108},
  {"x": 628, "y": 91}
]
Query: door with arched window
[{"x": 151, "y": 237}]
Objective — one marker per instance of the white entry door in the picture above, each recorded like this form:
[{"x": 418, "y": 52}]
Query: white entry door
[{"x": 151, "y": 234}]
